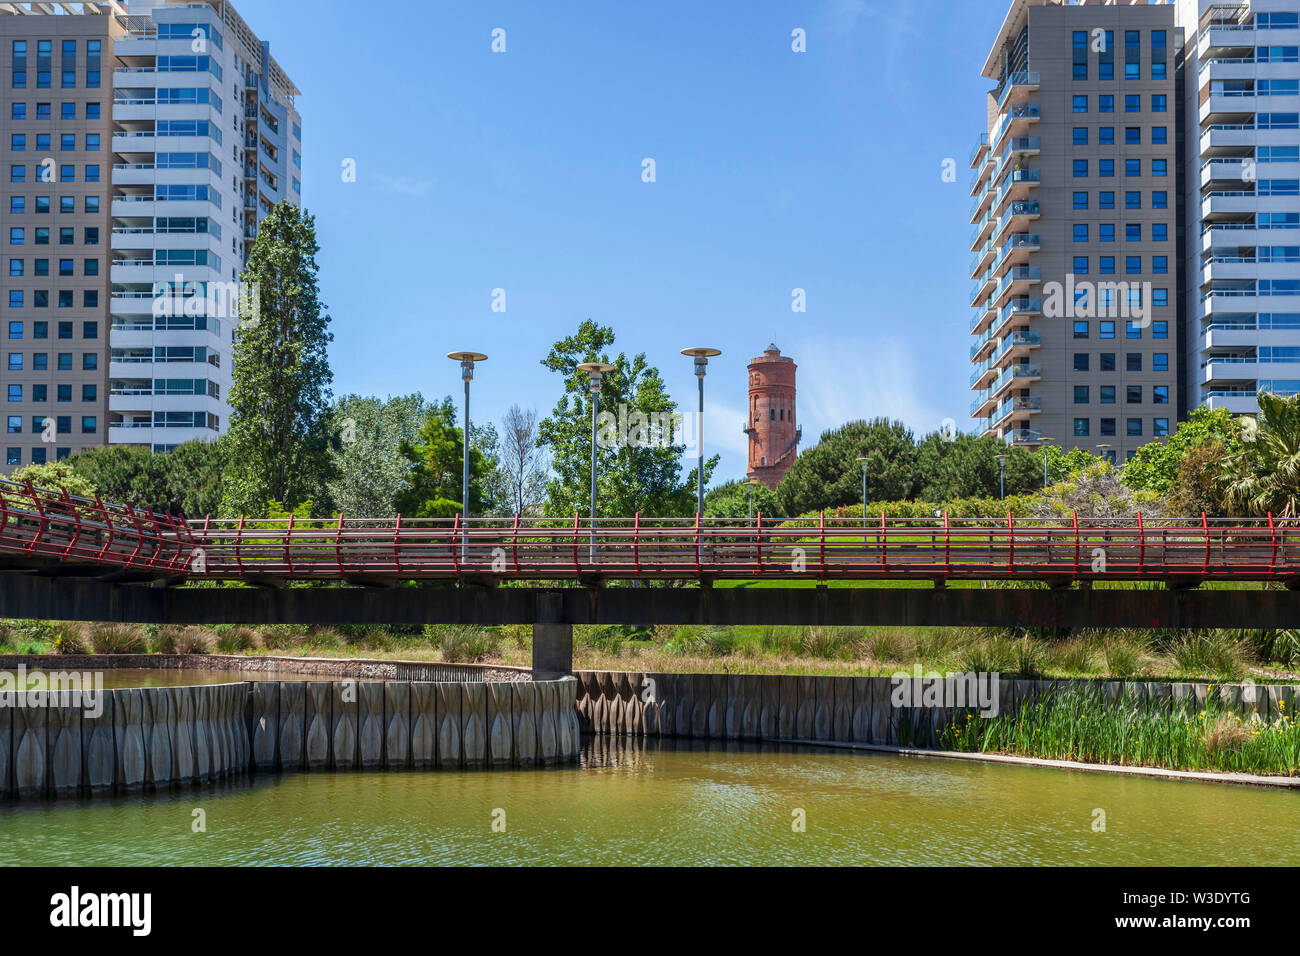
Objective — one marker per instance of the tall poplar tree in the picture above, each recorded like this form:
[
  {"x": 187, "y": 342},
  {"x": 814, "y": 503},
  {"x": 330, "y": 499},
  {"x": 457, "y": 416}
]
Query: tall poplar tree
[{"x": 279, "y": 440}]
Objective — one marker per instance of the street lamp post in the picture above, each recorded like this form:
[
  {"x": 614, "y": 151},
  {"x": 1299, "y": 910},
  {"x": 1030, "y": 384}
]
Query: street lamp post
[
  {"x": 863, "y": 463},
  {"x": 1046, "y": 442},
  {"x": 752, "y": 483},
  {"x": 467, "y": 361},
  {"x": 596, "y": 371},
  {"x": 701, "y": 356},
  {"x": 1002, "y": 476},
  {"x": 1105, "y": 448}
]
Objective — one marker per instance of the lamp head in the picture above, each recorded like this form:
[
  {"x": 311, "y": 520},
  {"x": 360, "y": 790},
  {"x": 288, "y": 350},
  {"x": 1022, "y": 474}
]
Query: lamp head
[
  {"x": 595, "y": 372},
  {"x": 701, "y": 356},
  {"x": 467, "y": 360}
]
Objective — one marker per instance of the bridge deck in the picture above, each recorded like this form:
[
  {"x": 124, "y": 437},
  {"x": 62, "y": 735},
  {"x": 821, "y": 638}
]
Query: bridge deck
[{"x": 58, "y": 533}]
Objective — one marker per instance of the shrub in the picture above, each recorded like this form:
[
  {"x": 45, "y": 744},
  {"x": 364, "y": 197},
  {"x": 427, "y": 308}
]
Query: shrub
[
  {"x": 194, "y": 640},
  {"x": 465, "y": 644},
  {"x": 118, "y": 639},
  {"x": 165, "y": 639},
  {"x": 237, "y": 640},
  {"x": 71, "y": 638}
]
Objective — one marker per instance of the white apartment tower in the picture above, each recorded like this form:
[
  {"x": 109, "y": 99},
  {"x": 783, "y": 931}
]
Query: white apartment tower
[
  {"x": 206, "y": 141},
  {"x": 146, "y": 141},
  {"x": 1241, "y": 157}
]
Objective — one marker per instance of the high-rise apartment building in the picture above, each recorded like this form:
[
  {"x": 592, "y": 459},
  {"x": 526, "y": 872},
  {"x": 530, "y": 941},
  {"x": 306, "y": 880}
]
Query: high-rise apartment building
[
  {"x": 146, "y": 141},
  {"x": 1075, "y": 229},
  {"x": 1241, "y": 157}
]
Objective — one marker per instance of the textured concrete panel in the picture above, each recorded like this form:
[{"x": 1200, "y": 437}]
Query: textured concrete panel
[
  {"x": 883, "y": 712},
  {"x": 734, "y": 705},
  {"x": 128, "y": 734},
  {"x": 180, "y": 732},
  {"x": 397, "y": 725},
  {"x": 424, "y": 725},
  {"x": 860, "y": 710},
  {"x": 64, "y": 744},
  {"x": 805, "y": 707},
  {"x": 6, "y": 743},
  {"x": 157, "y": 738},
  {"x": 787, "y": 727},
  {"x": 524, "y": 701},
  {"x": 750, "y": 705},
  {"x": 370, "y": 725},
  {"x": 202, "y": 733},
  {"x": 449, "y": 753},
  {"x": 316, "y": 745},
  {"x": 98, "y": 748},
  {"x": 473, "y": 723},
  {"x": 30, "y": 760},
  {"x": 293, "y": 723},
  {"x": 769, "y": 711},
  {"x": 501, "y": 725},
  {"x": 666, "y": 704},
  {"x": 565, "y": 743},
  {"x": 547, "y": 734},
  {"x": 343, "y": 725},
  {"x": 842, "y": 716},
  {"x": 716, "y": 724},
  {"x": 264, "y": 725}
]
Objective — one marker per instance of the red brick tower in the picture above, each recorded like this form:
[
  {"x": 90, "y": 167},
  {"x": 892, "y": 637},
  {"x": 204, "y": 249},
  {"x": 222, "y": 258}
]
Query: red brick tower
[{"x": 770, "y": 422}]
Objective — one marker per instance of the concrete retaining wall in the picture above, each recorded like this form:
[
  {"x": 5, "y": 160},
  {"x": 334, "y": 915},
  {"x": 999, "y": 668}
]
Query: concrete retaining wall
[
  {"x": 834, "y": 709},
  {"x": 164, "y": 737}
]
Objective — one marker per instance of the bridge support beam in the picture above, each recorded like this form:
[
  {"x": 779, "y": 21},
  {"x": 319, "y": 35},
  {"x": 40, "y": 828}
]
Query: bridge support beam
[{"x": 552, "y": 639}]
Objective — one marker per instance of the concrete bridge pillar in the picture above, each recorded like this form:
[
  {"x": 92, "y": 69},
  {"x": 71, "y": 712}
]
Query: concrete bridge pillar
[{"x": 552, "y": 639}]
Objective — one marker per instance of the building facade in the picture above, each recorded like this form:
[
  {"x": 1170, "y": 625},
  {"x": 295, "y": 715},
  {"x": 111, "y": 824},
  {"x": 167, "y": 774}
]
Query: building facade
[
  {"x": 770, "y": 424},
  {"x": 1075, "y": 229},
  {"x": 146, "y": 142},
  {"x": 1241, "y": 155}
]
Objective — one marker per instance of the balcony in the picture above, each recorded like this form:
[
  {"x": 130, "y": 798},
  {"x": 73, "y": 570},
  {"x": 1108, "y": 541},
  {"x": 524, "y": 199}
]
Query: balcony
[
  {"x": 984, "y": 314},
  {"x": 1229, "y": 202},
  {"x": 1018, "y": 280},
  {"x": 1017, "y": 374},
  {"x": 977, "y": 154},
  {"x": 1228, "y": 139},
  {"x": 983, "y": 374},
  {"x": 1024, "y": 146},
  {"x": 1235, "y": 402},
  {"x": 983, "y": 347},
  {"x": 1018, "y": 343},
  {"x": 981, "y": 405},
  {"x": 1018, "y": 214},
  {"x": 1023, "y": 308},
  {"x": 1017, "y": 89},
  {"x": 1016, "y": 406},
  {"x": 1017, "y": 248},
  {"x": 1018, "y": 119},
  {"x": 1021, "y": 437},
  {"x": 980, "y": 291},
  {"x": 982, "y": 259}
]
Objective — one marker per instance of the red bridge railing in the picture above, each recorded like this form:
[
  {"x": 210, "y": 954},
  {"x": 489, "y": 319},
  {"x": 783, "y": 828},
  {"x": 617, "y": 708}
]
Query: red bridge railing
[{"x": 39, "y": 527}]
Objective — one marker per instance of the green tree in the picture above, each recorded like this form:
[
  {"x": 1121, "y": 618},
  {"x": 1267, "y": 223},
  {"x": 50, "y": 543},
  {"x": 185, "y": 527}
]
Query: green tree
[
  {"x": 639, "y": 471},
  {"x": 1263, "y": 476},
  {"x": 731, "y": 501},
  {"x": 54, "y": 476},
  {"x": 967, "y": 467},
  {"x": 279, "y": 441},
  {"x": 434, "y": 480},
  {"x": 1155, "y": 466},
  {"x": 829, "y": 475},
  {"x": 186, "y": 480},
  {"x": 370, "y": 469}
]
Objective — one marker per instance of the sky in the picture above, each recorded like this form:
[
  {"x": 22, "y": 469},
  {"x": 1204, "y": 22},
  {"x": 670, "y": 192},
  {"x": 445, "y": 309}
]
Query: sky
[{"x": 523, "y": 171}]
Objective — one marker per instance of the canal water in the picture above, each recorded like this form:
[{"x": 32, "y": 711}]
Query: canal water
[{"x": 676, "y": 804}]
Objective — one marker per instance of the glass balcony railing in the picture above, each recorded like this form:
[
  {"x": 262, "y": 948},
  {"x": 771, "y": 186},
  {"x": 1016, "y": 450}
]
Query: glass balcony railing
[
  {"x": 981, "y": 399},
  {"x": 1016, "y": 405},
  {"x": 980, "y": 144},
  {"x": 1024, "y": 436},
  {"x": 1028, "y": 80},
  {"x": 981, "y": 369},
  {"x": 1020, "y": 307}
]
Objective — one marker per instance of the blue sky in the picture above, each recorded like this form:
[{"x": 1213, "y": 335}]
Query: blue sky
[{"x": 522, "y": 171}]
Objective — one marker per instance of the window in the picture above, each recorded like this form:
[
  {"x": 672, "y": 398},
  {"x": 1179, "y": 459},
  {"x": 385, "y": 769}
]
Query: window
[
  {"x": 89, "y": 361},
  {"x": 1106, "y": 362},
  {"x": 64, "y": 426},
  {"x": 89, "y": 423},
  {"x": 1105, "y": 167},
  {"x": 1133, "y": 232},
  {"x": 1105, "y": 104},
  {"x": 1080, "y": 169},
  {"x": 18, "y": 142},
  {"x": 67, "y": 204},
  {"x": 15, "y": 330},
  {"x": 1159, "y": 55},
  {"x": 1081, "y": 427},
  {"x": 1080, "y": 264},
  {"x": 92, "y": 142},
  {"x": 1081, "y": 231},
  {"x": 1107, "y": 394},
  {"x": 15, "y": 426},
  {"x": 1160, "y": 232},
  {"x": 1081, "y": 394},
  {"x": 1081, "y": 361},
  {"x": 1132, "y": 167},
  {"x": 1106, "y": 232},
  {"x": 1134, "y": 427},
  {"x": 1080, "y": 329},
  {"x": 1160, "y": 265},
  {"x": 67, "y": 236},
  {"x": 1080, "y": 136},
  {"x": 65, "y": 363},
  {"x": 1133, "y": 200},
  {"x": 1159, "y": 103},
  {"x": 1160, "y": 135},
  {"x": 18, "y": 174},
  {"x": 1133, "y": 103},
  {"x": 1133, "y": 265},
  {"x": 1133, "y": 135},
  {"x": 1106, "y": 57},
  {"x": 18, "y": 111},
  {"x": 40, "y": 393},
  {"x": 15, "y": 298},
  {"x": 17, "y": 205},
  {"x": 1132, "y": 55},
  {"x": 1134, "y": 361},
  {"x": 14, "y": 456},
  {"x": 1106, "y": 136},
  {"x": 1080, "y": 200},
  {"x": 40, "y": 363},
  {"x": 1106, "y": 329},
  {"x": 1160, "y": 329},
  {"x": 1105, "y": 200},
  {"x": 1159, "y": 297},
  {"x": 1107, "y": 427},
  {"x": 1079, "y": 44},
  {"x": 88, "y": 393},
  {"x": 64, "y": 393},
  {"x": 1081, "y": 104},
  {"x": 15, "y": 393},
  {"x": 90, "y": 330},
  {"x": 15, "y": 361},
  {"x": 1160, "y": 200},
  {"x": 1160, "y": 395},
  {"x": 67, "y": 142},
  {"x": 1159, "y": 167},
  {"x": 1160, "y": 427},
  {"x": 1133, "y": 395},
  {"x": 1106, "y": 265}
]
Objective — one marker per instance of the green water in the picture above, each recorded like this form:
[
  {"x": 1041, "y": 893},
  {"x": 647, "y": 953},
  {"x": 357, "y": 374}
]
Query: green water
[{"x": 719, "y": 804}]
